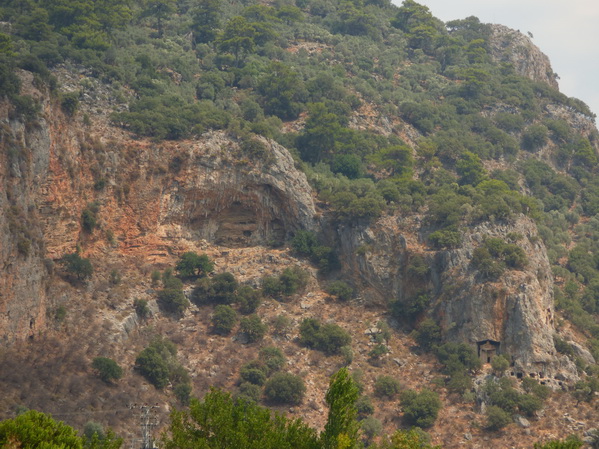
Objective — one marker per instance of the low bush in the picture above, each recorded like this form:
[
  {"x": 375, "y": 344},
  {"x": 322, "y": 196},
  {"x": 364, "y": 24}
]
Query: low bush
[
  {"x": 386, "y": 387},
  {"x": 341, "y": 290},
  {"x": 497, "y": 418},
  {"x": 79, "y": 266},
  {"x": 328, "y": 338},
  {"x": 253, "y": 328},
  {"x": 224, "y": 319},
  {"x": 420, "y": 408},
  {"x": 107, "y": 369},
  {"x": 285, "y": 388}
]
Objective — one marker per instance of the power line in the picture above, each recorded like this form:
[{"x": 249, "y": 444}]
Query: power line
[{"x": 148, "y": 419}]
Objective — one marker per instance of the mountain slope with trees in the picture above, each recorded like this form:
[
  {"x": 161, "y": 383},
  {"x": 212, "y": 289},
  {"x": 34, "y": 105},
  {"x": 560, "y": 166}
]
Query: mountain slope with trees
[{"x": 427, "y": 176}]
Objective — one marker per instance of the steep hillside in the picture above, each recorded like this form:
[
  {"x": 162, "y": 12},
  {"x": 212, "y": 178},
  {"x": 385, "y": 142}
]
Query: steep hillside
[{"x": 424, "y": 186}]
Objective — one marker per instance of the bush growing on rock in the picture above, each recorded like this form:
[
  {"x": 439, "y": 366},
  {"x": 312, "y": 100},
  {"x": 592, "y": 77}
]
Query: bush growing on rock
[
  {"x": 341, "y": 290},
  {"x": 273, "y": 358},
  {"x": 79, "y": 266},
  {"x": 158, "y": 364},
  {"x": 171, "y": 298}
]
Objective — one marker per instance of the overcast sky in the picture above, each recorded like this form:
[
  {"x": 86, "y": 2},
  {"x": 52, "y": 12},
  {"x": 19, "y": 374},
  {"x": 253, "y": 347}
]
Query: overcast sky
[{"x": 566, "y": 31}]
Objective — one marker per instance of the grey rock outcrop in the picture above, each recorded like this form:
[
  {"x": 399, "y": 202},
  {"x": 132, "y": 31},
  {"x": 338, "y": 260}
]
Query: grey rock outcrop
[
  {"x": 24, "y": 164},
  {"x": 231, "y": 201},
  {"x": 508, "y": 45},
  {"x": 517, "y": 310}
]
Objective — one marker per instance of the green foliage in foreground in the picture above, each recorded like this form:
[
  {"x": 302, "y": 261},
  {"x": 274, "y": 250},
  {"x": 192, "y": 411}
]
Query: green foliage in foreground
[
  {"x": 219, "y": 421},
  {"x": 34, "y": 429}
]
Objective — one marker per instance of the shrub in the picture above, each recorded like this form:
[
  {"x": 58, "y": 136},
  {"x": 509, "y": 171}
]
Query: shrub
[
  {"x": 273, "y": 358},
  {"x": 500, "y": 364},
  {"x": 364, "y": 407},
  {"x": 420, "y": 409},
  {"x": 248, "y": 392},
  {"x": 89, "y": 217},
  {"x": 532, "y": 386},
  {"x": 377, "y": 353},
  {"x": 248, "y": 299},
  {"x": 171, "y": 298},
  {"x": 562, "y": 346},
  {"x": 271, "y": 286},
  {"x": 497, "y": 418},
  {"x": 92, "y": 430},
  {"x": 223, "y": 319},
  {"x": 152, "y": 365},
  {"x": 534, "y": 137},
  {"x": 107, "y": 369},
  {"x": 69, "y": 102},
  {"x": 193, "y": 265},
  {"x": 371, "y": 427},
  {"x": 285, "y": 388},
  {"x": 328, "y": 338},
  {"x": 218, "y": 290},
  {"x": 157, "y": 363},
  {"x": 428, "y": 334},
  {"x": 183, "y": 393},
  {"x": 445, "y": 238},
  {"x": 141, "y": 308},
  {"x": 457, "y": 357},
  {"x": 254, "y": 373},
  {"x": 340, "y": 290},
  {"x": 253, "y": 327},
  {"x": 292, "y": 280},
  {"x": 386, "y": 387},
  {"x": 281, "y": 324},
  {"x": 77, "y": 265}
]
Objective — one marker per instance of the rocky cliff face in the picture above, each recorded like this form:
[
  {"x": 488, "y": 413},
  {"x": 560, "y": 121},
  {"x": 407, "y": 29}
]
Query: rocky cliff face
[
  {"x": 516, "y": 311},
  {"x": 150, "y": 198},
  {"x": 511, "y": 46},
  {"x": 24, "y": 162}
]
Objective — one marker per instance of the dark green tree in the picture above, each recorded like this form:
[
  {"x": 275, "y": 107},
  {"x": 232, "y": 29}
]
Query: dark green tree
[
  {"x": 205, "y": 20},
  {"x": 160, "y": 10},
  {"x": 285, "y": 388},
  {"x": 224, "y": 319},
  {"x": 193, "y": 265},
  {"x": 238, "y": 38},
  {"x": 421, "y": 408},
  {"x": 108, "y": 370},
  {"x": 73, "y": 263}
]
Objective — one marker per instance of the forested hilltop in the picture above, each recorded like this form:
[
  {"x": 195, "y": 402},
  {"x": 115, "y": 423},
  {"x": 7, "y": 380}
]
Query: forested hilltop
[{"x": 249, "y": 195}]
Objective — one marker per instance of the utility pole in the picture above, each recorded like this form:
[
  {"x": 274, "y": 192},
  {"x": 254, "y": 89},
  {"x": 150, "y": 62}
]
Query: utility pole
[{"x": 148, "y": 419}]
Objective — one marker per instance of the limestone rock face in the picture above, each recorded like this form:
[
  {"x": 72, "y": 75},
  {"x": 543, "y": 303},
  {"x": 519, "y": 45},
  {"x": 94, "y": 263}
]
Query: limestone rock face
[
  {"x": 24, "y": 163},
  {"x": 511, "y": 46},
  {"x": 517, "y": 310},
  {"x": 153, "y": 200},
  {"x": 235, "y": 203}
]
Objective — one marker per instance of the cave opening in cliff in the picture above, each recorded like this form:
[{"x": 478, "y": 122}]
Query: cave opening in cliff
[{"x": 487, "y": 350}]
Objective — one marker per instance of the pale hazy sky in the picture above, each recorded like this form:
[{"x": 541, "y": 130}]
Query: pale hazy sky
[{"x": 566, "y": 31}]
